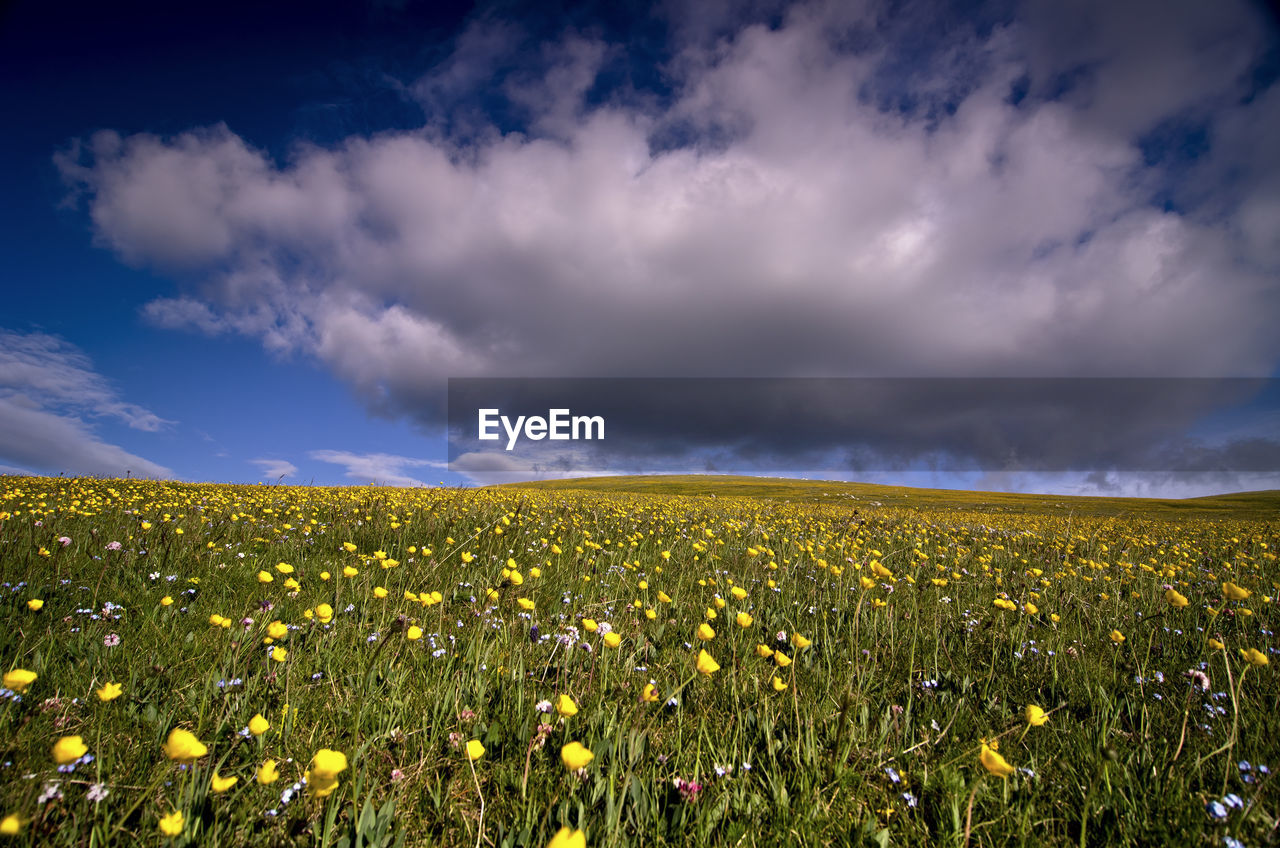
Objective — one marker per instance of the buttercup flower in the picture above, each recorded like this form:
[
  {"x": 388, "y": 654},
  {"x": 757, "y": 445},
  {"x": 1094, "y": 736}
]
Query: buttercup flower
[
  {"x": 1255, "y": 657},
  {"x": 322, "y": 777},
  {"x": 1035, "y": 716},
  {"x": 183, "y": 746},
  {"x": 19, "y": 679},
  {"x": 566, "y": 707},
  {"x": 68, "y": 749},
  {"x": 566, "y": 838},
  {"x": 221, "y": 784},
  {"x": 268, "y": 773},
  {"x": 575, "y": 756},
  {"x": 1234, "y": 592},
  {"x": 475, "y": 750},
  {"x": 172, "y": 824},
  {"x": 259, "y": 725},
  {"x": 994, "y": 763},
  {"x": 109, "y": 691},
  {"x": 707, "y": 664}
]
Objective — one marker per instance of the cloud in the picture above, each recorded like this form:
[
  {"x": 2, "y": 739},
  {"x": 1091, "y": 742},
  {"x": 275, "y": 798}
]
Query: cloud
[
  {"x": 45, "y": 371},
  {"x": 490, "y": 468},
  {"x": 51, "y": 443},
  {"x": 48, "y": 390},
  {"x": 945, "y": 425},
  {"x": 803, "y": 198},
  {"x": 275, "y": 468},
  {"x": 382, "y": 469}
]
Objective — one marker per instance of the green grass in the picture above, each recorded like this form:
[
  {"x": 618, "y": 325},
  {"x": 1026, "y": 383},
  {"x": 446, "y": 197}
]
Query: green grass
[{"x": 874, "y": 740}]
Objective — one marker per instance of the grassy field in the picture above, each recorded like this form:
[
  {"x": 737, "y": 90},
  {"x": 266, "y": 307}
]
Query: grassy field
[{"x": 634, "y": 661}]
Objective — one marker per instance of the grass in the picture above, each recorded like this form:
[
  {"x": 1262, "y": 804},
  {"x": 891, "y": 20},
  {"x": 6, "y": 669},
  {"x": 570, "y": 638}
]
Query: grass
[{"x": 871, "y": 735}]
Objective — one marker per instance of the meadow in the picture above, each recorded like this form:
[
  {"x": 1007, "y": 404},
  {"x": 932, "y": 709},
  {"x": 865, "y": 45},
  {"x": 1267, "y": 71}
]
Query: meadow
[{"x": 634, "y": 662}]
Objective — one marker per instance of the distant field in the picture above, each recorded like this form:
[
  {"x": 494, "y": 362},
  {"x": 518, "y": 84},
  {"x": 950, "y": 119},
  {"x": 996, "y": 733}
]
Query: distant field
[
  {"x": 1262, "y": 505},
  {"x": 651, "y": 661}
]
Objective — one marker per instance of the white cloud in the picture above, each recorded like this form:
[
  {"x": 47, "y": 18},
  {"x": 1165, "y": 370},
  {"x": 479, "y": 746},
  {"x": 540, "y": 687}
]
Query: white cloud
[
  {"x": 381, "y": 469},
  {"x": 489, "y": 468},
  {"x": 795, "y": 229},
  {"x": 275, "y": 468},
  {"x": 48, "y": 391},
  {"x": 56, "y": 444},
  {"x": 44, "y": 371}
]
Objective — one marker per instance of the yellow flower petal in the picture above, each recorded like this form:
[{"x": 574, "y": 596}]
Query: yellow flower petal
[{"x": 575, "y": 756}]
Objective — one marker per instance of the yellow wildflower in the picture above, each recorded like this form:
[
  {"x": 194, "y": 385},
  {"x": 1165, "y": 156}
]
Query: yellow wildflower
[
  {"x": 172, "y": 824},
  {"x": 1255, "y": 657},
  {"x": 994, "y": 763},
  {"x": 575, "y": 756},
  {"x": 268, "y": 773},
  {"x": 221, "y": 784},
  {"x": 183, "y": 746},
  {"x": 68, "y": 749},
  {"x": 566, "y": 838}
]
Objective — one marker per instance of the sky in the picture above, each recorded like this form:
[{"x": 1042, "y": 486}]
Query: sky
[{"x": 254, "y": 242}]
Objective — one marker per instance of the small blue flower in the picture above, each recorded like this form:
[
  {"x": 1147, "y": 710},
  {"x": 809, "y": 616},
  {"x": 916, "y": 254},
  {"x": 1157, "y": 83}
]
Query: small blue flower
[{"x": 1215, "y": 809}]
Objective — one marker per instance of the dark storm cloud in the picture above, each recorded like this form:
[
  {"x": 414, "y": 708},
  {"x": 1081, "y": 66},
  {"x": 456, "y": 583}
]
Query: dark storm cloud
[{"x": 762, "y": 424}]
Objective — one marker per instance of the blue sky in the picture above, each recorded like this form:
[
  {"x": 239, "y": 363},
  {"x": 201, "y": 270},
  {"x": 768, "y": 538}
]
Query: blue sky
[{"x": 245, "y": 244}]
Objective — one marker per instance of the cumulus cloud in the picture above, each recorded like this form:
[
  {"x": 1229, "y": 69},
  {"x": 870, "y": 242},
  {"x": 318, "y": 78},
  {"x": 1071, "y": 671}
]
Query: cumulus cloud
[
  {"x": 275, "y": 468},
  {"x": 381, "y": 469},
  {"x": 49, "y": 393},
  {"x": 809, "y": 197}
]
